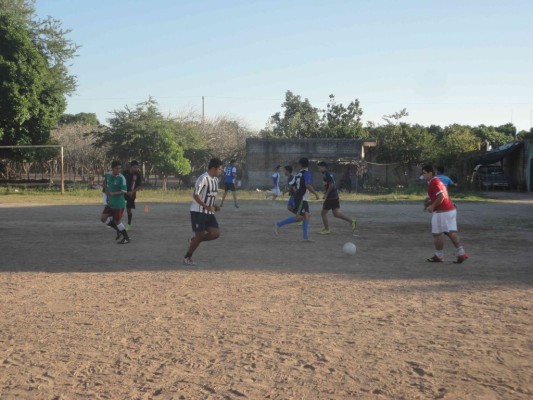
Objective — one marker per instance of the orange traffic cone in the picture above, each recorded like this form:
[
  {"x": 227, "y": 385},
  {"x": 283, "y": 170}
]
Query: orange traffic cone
[{"x": 146, "y": 208}]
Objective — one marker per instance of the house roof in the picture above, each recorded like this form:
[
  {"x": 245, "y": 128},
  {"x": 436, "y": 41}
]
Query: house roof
[{"x": 499, "y": 153}]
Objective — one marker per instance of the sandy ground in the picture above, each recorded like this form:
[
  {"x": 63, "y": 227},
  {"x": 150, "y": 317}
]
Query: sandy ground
[{"x": 265, "y": 317}]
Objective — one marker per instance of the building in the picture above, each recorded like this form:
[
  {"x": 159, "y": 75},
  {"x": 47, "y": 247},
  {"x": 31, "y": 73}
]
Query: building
[{"x": 262, "y": 156}]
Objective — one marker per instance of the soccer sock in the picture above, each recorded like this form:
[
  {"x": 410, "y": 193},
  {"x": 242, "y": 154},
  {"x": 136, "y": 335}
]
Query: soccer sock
[
  {"x": 460, "y": 251},
  {"x": 123, "y": 230},
  {"x": 130, "y": 217},
  {"x": 439, "y": 253},
  {"x": 188, "y": 255},
  {"x": 305, "y": 228},
  {"x": 290, "y": 220},
  {"x": 113, "y": 225}
]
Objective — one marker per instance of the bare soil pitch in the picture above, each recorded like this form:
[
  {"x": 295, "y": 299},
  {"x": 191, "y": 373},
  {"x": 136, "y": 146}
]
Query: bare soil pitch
[{"x": 265, "y": 316}]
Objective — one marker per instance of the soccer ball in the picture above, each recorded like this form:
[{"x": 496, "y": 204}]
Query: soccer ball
[{"x": 349, "y": 248}]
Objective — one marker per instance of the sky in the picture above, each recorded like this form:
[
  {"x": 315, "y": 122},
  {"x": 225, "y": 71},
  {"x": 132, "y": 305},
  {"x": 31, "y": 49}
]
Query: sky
[{"x": 467, "y": 62}]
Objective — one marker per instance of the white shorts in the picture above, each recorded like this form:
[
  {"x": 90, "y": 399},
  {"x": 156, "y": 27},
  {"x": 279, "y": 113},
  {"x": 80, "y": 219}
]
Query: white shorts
[
  {"x": 442, "y": 222},
  {"x": 276, "y": 191}
]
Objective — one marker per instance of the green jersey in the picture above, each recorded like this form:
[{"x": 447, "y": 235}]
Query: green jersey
[{"x": 116, "y": 184}]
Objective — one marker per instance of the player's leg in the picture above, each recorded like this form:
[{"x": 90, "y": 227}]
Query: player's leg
[
  {"x": 325, "y": 222},
  {"x": 223, "y": 198},
  {"x": 437, "y": 230},
  {"x": 121, "y": 229},
  {"x": 451, "y": 223},
  {"x": 198, "y": 227},
  {"x": 107, "y": 218},
  {"x": 234, "y": 192}
]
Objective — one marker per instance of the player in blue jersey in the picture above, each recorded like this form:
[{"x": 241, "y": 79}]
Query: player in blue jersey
[
  {"x": 302, "y": 187},
  {"x": 203, "y": 207},
  {"x": 230, "y": 176},
  {"x": 276, "y": 191},
  {"x": 331, "y": 200},
  {"x": 446, "y": 180},
  {"x": 290, "y": 189}
]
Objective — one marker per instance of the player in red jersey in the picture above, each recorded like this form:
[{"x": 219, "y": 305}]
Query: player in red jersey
[{"x": 444, "y": 217}]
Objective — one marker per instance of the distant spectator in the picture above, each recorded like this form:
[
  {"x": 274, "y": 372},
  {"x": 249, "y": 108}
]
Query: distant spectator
[{"x": 446, "y": 180}]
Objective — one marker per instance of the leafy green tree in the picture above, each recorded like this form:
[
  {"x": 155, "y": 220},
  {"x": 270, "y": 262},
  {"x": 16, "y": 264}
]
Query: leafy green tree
[
  {"x": 80, "y": 118},
  {"x": 143, "y": 133},
  {"x": 523, "y": 135},
  {"x": 34, "y": 78},
  {"x": 299, "y": 120},
  {"x": 342, "y": 122}
]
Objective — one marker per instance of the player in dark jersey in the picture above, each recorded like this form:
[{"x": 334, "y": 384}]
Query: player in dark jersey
[
  {"x": 133, "y": 182},
  {"x": 331, "y": 200},
  {"x": 302, "y": 187}
]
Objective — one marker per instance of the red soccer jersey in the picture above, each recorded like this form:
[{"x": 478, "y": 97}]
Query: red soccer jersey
[{"x": 435, "y": 188}]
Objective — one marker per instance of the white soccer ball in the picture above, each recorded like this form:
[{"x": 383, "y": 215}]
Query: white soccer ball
[{"x": 349, "y": 248}]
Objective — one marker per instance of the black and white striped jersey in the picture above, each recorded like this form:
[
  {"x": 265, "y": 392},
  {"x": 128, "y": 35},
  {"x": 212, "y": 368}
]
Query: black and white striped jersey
[{"x": 206, "y": 188}]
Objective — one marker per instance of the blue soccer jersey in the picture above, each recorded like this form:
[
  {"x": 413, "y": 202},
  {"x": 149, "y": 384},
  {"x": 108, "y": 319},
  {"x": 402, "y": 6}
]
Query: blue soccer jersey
[{"x": 230, "y": 172}]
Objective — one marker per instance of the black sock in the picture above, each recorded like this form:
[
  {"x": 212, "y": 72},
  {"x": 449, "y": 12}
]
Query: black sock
[
  {"x": 113, "y": 225},
  {"x": 130, "y": 216},
  {"x": 188, "y": 255}
]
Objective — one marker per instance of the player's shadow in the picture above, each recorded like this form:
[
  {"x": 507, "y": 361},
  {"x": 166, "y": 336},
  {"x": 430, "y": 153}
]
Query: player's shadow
[{"x": 393, "y": 244}]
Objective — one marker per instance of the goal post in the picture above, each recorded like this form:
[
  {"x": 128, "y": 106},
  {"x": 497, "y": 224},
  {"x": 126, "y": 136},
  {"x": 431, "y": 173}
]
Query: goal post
[{"x": 42, "y": 146}]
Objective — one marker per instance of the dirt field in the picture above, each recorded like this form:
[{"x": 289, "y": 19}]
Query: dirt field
[{"x": 265, "y": 317}]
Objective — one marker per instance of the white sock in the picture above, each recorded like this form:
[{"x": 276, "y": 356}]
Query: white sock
[
  {"x": 439, "y": 253},
  {"x": 121, "y": 227},
  {"x": 460, "y": 251}
]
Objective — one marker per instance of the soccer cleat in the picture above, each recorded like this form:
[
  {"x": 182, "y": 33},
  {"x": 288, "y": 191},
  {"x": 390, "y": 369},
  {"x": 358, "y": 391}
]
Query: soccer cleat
[
  {"x": 300, "y": 223},
  {"x": 461, "y": 258},
  {"x": 309, "y": 241},
  {"x": 435, "y": 258},
  {"x": 324, "y": 232},
  {"x": 124, "y": 240},
  {"x": 127, "y": 226},
  {"x": 354, "y": 224},
  {"x": 188, "y": 261},
  {"x": 276, "y": 228}
]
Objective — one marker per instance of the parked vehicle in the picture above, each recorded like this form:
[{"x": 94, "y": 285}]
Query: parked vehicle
[{"x": 491, "y": 176}]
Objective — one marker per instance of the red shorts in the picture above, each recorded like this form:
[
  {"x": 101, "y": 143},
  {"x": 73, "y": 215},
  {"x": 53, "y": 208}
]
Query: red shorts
[{"x": 116, "y": 213}]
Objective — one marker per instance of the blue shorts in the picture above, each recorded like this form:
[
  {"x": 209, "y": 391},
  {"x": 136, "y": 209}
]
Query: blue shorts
[
  {"x": 290, "y": 204},
  {"x": 200, "y": 221},
  {"x": 229, "y": 186}
]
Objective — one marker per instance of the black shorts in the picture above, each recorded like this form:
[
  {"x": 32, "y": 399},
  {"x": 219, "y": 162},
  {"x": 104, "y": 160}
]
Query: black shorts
[
  {"x": 229, "y": 186},
  {"x": 331, "y": 204},
  {"x": 130, "y": 202},
  {"x": 200, "y": 221},
  {"x": 300, "y": 206}
]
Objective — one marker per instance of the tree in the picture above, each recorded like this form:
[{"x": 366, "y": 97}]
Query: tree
[
  {"x": 145, "y": 134},
  {"x": 299, "y": 120},
  {"x": 78, "y": 135},
  {"x": 34, "y": 79},
  {"x": 342, "y": 122}
]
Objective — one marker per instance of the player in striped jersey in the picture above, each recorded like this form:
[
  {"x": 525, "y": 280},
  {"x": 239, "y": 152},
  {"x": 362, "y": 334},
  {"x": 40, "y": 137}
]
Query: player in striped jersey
[{"x": 203, "y": 207}]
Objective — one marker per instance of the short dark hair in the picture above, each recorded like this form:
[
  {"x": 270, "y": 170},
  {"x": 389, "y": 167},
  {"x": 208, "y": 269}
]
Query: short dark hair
[
  {"x": 214, "y": 163},
  {"x": 288, "y": 168},
  {"x": 428, "y": 168},
  {"x": 232, "y": 162},
  {"x": 134, "y": 162},
  {"x": 323, "y": 164},
  {"x": 304, "y": 162},
  {"x": 115, "y": 164},
  {"x": 278, "y": 166},
  {"x": 439, "y": 169}
]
